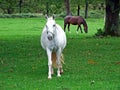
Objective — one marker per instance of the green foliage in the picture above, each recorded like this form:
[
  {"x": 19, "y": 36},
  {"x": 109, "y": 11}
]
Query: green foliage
[
  {"x": 8, "y": 6},
  {"x": 39, "y": 6},
  {"x": 90, "y": 63},
  {"x": 99, "y": 32},
  {"x": 22, "y": 15}
]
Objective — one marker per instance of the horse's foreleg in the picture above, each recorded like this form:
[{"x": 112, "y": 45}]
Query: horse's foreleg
[
  {"x": 68, "y": 27},
  {"x": 65, "y": 26},
  {"x": 58, "y": 62},
  {"x": 49, "y": 64},
  {"x": 80, "y": 29}
]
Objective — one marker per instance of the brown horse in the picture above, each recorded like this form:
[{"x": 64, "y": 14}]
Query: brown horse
[{"x": 75, "y": 20}]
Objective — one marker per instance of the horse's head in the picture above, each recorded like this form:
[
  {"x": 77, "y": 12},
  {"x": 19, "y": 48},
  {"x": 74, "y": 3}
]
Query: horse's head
[
  {"x": 86, "y": 29},
  {"x": 85, "y": 26},
  {"x": 50, "y": 28}
]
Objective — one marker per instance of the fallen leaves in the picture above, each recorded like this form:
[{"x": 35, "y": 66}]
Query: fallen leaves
[{"x": 92, "y": 62}]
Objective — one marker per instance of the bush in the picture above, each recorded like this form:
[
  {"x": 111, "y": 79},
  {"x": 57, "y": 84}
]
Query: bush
[
  {"x": 22, "y": 15},
  {"x": 99, "y": 32}
]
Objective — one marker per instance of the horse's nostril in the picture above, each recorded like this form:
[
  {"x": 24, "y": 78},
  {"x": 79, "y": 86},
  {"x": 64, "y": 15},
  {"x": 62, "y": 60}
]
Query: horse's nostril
[{"x": 50, "y": 38}]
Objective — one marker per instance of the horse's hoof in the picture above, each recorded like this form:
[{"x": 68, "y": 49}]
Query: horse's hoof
[
  {"x": 77, "y": 32},
  {"x": 59, "y": 75},
  {"x": 49, "y": 78}
]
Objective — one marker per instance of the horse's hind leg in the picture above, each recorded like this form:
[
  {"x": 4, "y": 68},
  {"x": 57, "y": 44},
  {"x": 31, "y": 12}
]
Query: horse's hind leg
[
  {"x": 68, "y": 27},
  {"x": 77, "y": 28},
  {"x": 65, "y": 26}
]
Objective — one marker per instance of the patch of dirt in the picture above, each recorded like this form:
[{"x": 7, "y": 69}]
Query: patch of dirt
[
  {"x": 117, "y": 63},
  {"x": 92, "y": 62}
]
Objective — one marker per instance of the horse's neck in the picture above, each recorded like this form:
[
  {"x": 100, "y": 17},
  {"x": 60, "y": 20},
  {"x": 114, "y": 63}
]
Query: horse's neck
[
  {"x": 84, "y": 23},
  {"x": 57, "y": 31}
]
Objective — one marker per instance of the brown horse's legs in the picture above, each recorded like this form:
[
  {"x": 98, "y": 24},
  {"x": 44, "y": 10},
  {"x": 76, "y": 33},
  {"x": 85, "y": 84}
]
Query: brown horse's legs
[
  {"x": 80, "y": 29},
  {"x": 65, "y": 27},
  {"x": 68, "y": 27}
]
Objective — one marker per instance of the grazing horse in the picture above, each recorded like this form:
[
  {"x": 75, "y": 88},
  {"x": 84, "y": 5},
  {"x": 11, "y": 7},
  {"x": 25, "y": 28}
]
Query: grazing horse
[
  {"x": 75, "y": 20},
  {"x": 53, "y": 40}
]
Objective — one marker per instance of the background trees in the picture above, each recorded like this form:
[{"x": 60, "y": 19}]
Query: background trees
[
  {"x": 67, "y": 5},
  {"x": 39, "y": 6},
  {"x": 8, "y": 6}
]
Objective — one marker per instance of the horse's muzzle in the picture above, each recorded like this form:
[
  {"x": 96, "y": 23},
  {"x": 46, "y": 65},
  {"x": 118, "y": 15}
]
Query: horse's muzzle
[
  {"x": 86, "y": 31},
  {"x": 50, "y": 38}
]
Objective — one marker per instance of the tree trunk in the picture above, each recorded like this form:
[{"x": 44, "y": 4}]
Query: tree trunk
[
  {"x": 47, "y": 9},
  {"x": 112, "y": 18},
  {"x": 67, "y": 5},
  {"x": 20, "y": 6},
  {"x": 78, "y": 12},
  {"x": 86, "y": 9},
  {"x": 9, "y": 11}
]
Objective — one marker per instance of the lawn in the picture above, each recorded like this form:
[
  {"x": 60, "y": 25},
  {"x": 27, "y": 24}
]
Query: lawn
[{"x": 90, "y": 63}]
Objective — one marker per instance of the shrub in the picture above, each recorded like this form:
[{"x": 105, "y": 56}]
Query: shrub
[
  {"x": 22, "y": 15},
  {"x": 99, "y": 32}
]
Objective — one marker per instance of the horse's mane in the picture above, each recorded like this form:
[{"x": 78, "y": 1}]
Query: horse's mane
[{"x": 84, "y": 22}]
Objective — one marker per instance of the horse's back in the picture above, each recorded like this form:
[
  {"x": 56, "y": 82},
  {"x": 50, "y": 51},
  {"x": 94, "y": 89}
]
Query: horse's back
[
  {"x": 75, "y": 20},
  {"x": 66, "y": 19}
]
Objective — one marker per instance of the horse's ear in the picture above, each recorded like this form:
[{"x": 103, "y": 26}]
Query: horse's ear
[
  {"x": 53, "y": 16},
  {"x": 46, "y": 16}
]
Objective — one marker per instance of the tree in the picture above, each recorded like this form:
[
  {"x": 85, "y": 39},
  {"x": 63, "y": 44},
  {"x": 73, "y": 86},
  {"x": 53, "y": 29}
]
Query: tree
[
  {"x": 112, "y": 18},
  {"x": 78, "y": 11},
  {"x": 86, "y": 8},
  {"x": 8, "y": 6},
  {"x": 20, "y": 5},
  {"x": 67, "y": 5}
]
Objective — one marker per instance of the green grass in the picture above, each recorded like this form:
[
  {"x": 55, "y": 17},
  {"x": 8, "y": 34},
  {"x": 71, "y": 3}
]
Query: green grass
[{"x": 23, "y": 63}]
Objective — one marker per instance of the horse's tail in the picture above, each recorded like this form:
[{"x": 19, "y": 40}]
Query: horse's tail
[{"x": 54, "y": 58}]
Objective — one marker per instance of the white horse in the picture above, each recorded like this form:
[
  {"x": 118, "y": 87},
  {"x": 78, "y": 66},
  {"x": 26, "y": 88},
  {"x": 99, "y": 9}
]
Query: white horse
[{"x": 53, "y": 40}]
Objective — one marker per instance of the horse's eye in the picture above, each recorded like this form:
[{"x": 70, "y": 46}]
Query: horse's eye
[{"x": 46, "y": 27}]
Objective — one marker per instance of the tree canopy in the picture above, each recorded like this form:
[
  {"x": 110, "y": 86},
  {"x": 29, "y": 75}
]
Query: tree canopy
[{"x": 39, "y": 6}]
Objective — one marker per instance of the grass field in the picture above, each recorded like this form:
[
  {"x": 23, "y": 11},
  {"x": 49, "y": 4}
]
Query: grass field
[{"x": 90, "y": 63}]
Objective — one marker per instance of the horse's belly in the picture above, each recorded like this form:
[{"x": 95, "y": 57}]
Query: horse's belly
[
  {"x": 74, "y": 24},
  {"x": 61, "y": 42}
]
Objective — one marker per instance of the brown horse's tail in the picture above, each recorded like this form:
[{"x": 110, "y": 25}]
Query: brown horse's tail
[{"x": 54, "y": 58}]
